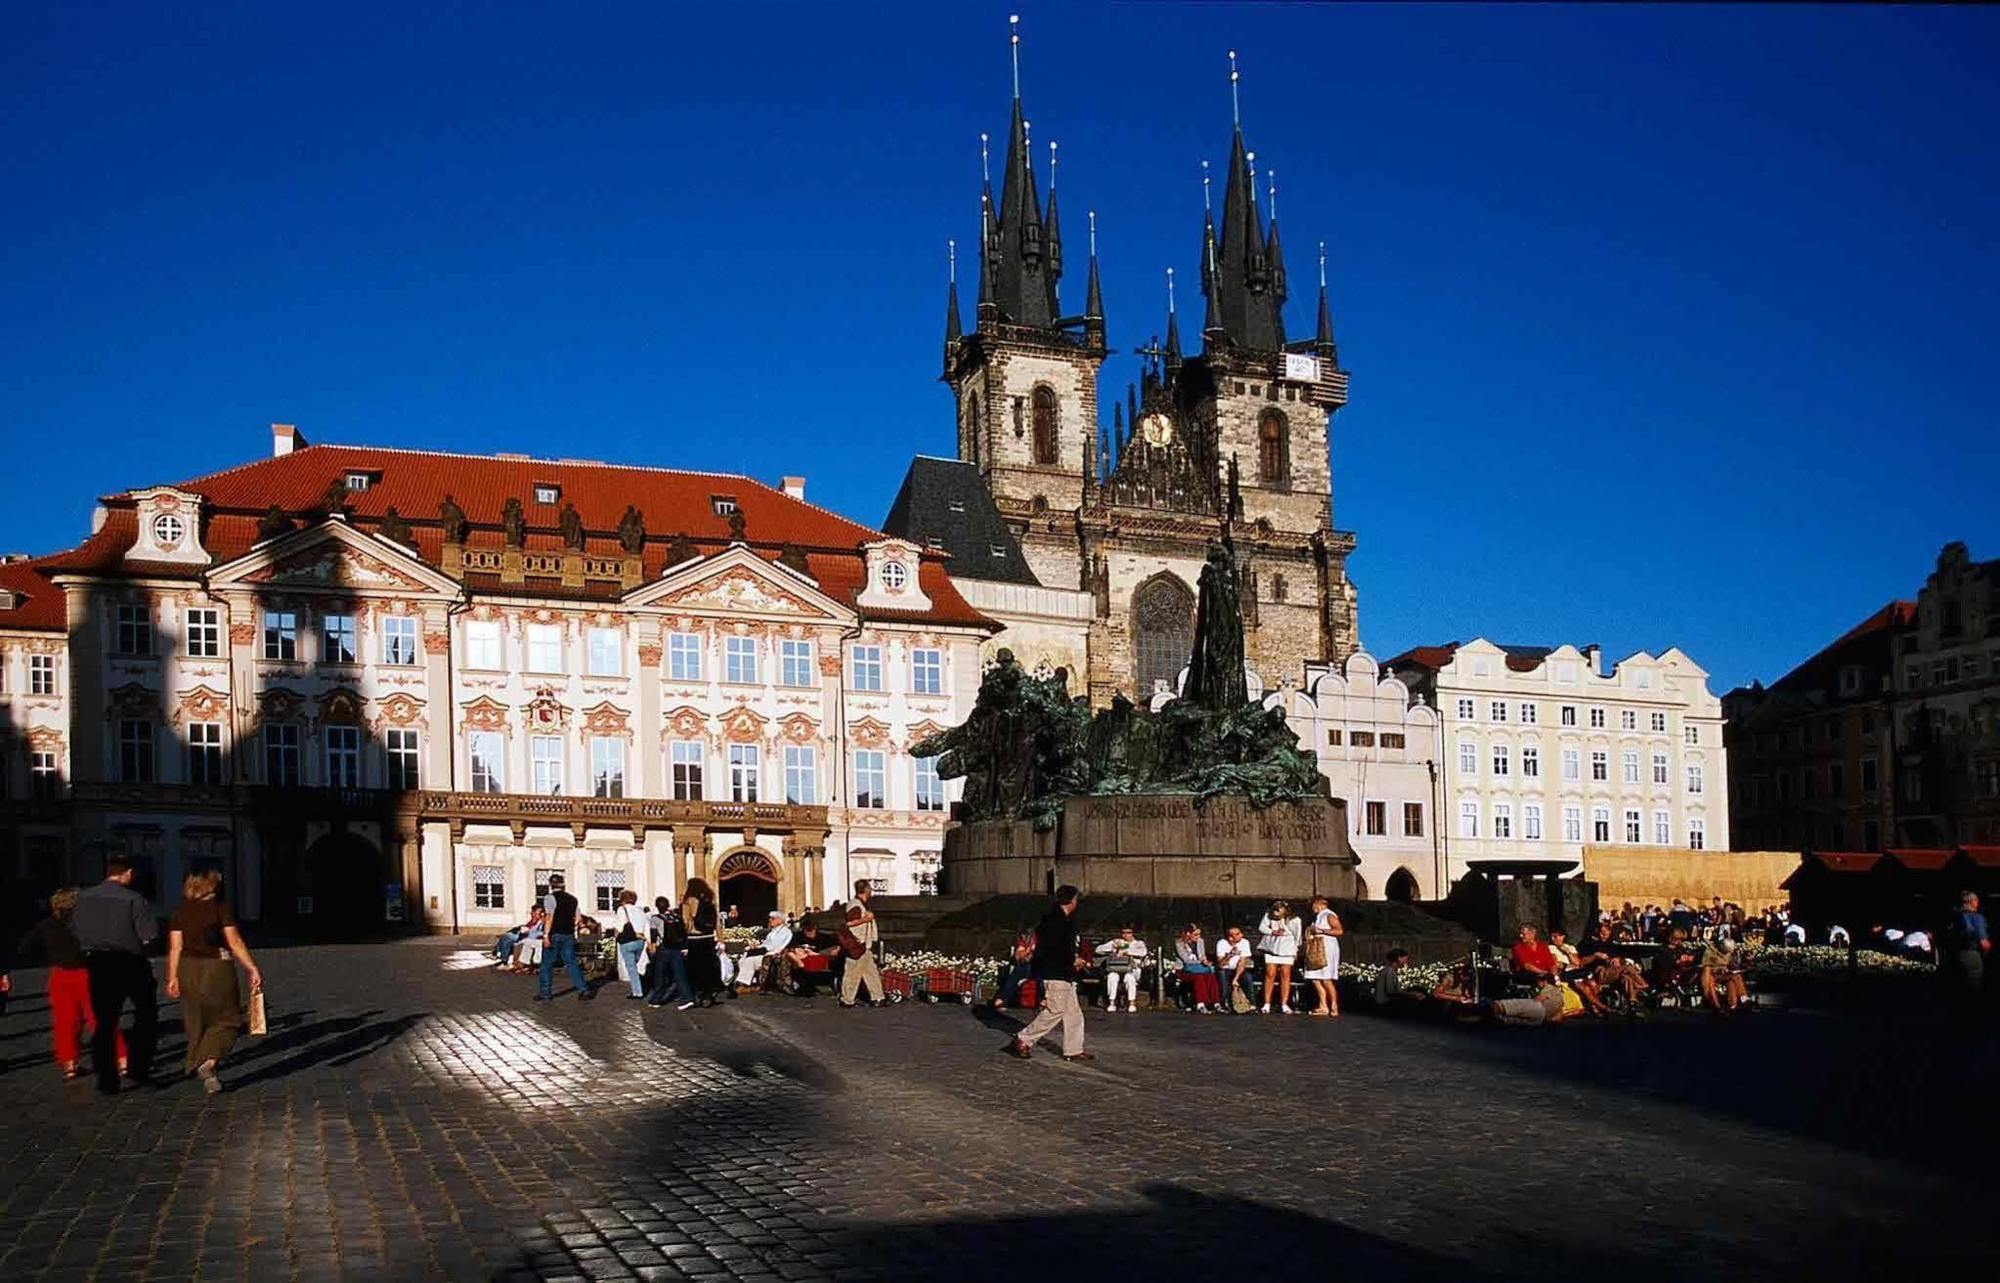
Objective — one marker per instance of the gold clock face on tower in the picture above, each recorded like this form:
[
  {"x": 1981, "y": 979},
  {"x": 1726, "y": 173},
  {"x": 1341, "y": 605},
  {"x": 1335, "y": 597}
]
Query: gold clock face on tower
[{"x": 1158, "y": 428}]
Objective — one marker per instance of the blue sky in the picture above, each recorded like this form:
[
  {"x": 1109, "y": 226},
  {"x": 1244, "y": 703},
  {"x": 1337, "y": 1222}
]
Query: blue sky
[{"x": 1668, "y": 326}]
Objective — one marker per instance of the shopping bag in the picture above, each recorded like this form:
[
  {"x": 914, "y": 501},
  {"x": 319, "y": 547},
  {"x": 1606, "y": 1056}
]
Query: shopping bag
[{"x": 257, "y": 1026}]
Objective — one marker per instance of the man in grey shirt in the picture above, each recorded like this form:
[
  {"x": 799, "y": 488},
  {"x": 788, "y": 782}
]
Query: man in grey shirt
[{"x": 115, "y": 924}]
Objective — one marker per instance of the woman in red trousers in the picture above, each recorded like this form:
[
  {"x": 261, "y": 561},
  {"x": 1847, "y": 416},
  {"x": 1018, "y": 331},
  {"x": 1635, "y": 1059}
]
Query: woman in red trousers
[{"x": 69, "y": 983}]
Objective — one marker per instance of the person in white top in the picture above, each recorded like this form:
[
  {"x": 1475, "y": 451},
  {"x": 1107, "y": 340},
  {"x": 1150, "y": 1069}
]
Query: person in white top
[
  {"x": 1326, "y": 928},
  {"x": 1232, "y": 961},
  {"x": 776, "y": 939},
  {"x": 1278, "y": 941},
  {"x": 1123, "y": 956},
  {"x": 629, "y": 924}
]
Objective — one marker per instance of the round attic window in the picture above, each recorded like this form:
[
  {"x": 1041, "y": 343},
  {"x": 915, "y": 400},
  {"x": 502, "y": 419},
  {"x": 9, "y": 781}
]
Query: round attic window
[
  {"x": 168, "y": 530},
  {"x": 894, "y": 576}
]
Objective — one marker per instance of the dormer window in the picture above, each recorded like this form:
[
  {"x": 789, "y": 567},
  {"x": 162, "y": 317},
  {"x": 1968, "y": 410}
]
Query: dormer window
[
  {"x": 724, "y": 504},
  {"x": 356, "y": 482},
  {"x": 999, "y": 550},
  {"x": 934, "y": 543},
  {"x": 957, "y": 505},
  {"x": 547, "y": 492},
  {"x": 894, "y": 576}
]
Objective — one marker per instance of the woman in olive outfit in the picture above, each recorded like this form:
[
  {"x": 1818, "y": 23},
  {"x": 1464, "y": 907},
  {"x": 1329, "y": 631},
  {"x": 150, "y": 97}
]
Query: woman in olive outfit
[{"x": 203, "y": 950}]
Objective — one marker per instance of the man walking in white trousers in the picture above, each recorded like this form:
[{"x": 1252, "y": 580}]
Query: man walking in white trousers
[{"x": 1054, "y": 967}]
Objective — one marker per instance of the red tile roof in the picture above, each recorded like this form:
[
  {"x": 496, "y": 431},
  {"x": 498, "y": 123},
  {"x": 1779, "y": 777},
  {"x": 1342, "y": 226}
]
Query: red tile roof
[
  {"x": 40, "y": 603},
  {"x": 1915, "y": 858},
  {"x": 416, "y": 483},
  {"x": 1431, "y": 657},
  {"x": 1847, "y": 861},
  {"x": 1986, "y": 857}
]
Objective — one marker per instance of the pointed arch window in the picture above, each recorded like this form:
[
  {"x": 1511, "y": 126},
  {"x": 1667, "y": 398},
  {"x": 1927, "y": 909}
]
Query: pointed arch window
[
  {"x": 1045, "y": 425},
  {"x": 1273, "y": 447},
  {"x": 972, "y": 426},
  {"x": 1162, "y": 634}
]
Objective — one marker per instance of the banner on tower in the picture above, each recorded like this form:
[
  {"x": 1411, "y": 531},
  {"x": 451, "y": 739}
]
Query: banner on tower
[{"x": 1300, "y": 368}]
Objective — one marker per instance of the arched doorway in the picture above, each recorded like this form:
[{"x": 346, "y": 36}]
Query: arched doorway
[
  {"x": 748, "y": 880},
  {"x": 1402, "y": 887},
  {"x": 342, "y": 888}
]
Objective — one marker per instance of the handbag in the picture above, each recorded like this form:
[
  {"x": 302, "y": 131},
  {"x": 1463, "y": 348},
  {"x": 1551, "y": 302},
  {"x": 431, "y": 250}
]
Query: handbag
[
  {"x": 850, "y": 944},
  {"x": 626, "y": 935},
  {"x": 258, "y": 1025},
  {"x": 1315, "y": 952}
]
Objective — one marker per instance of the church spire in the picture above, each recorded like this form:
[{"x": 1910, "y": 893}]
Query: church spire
[
  {"x": 1271, "y": 249},
  {"x": 1093, "y": 296},
  {"x": 954, "y": 330},
  {"x": 1052, "y": 236},
  {"x": 1324, "y": 339},
  {"x": 1019, "y": 268},
  {"x": 1241, "y": 295},
  {"x": 1173, "y": 327}
]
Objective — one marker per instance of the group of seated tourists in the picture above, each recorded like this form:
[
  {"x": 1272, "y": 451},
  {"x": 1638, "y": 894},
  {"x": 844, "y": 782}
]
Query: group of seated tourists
[
  {"x": 1556, "y": 980},
  {"x": 1234, "y": 975}
]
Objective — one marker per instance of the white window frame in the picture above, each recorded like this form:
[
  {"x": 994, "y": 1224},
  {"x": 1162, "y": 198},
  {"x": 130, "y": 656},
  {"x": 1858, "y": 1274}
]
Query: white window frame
[
  {"x": 41, "y": 674},
  {"x": 343, "y": 756},
  {"x": 1628, "y": 765},
  {"x": 1600, "y": 766},
  {"x": 1697, "y": 834},
  {"x": 871, "y": 766},
  {"x": 1413, "y": 811},
  {"x": 489, "y": 886},
  {"x": 1531, "y": 761},
  {"x": 203, "y": 639},
  {"x": 801, "y": 762},
  {"x": 338, "y": 631},
  {"x": 1596, "y": 719},
  {"x": 1691, "y": 734},
  {"x": 1659, "y": 723},
  {"x": 746, "y": 771},
  {"x": 1466, "y": 710},
  {"x": 1375, "y": 818},
  {"x": 606, "y": 885},
  {"x": 1572, "y": 824},
  {"x": 545, "y": 765},
  {"x": 1600, "y": 824},
  {"x": 926, "y": 785},
  {"x": 1468, "y": 757},
  {"x": 1530, "y": 713},
  {"x": 795, "y": 663},
  {"x": 284, "y": 765},
  {"x": 484, "y": 649},
  {"x": 44, "y": 772},
  {"x": 1567, "y": 715},
  {"x": 1661, "y": 769},
  {"x": 740, "y": 665},
  {"x": 402, "y": 754},
  {"x": 684, "y": 657},
  {"x": 1498, "y": 710},
  {"x": 1531, "y": 822},
  {"x": 607, "y": 766},
  {"x": 926, "y": 671},
  {"x": 1628, "y": 719},
  {"x": 134, "y": 633},
  {"x": 1502, "y": 761},
  {"x": 544, "y": 648},
  {"x": 486, "y": 758},
  {"x": 281, "y": 636},
  {"x": 399, "y": 640},
  {"x": 1635, "y": 825},
  {"x": 1503, "y": 821},
  {"x": 687, "y": 769},
  {"x": 865, "y": 668},
  {"x": 606, "y": 652},
  {"x": 1694, "y": 781},
  {"x": 1468, "y": 818},
  {"x": 1663, "y": 828},
  {"x": 1572, "y": 765},
  {"x": 204, "y": 743}
]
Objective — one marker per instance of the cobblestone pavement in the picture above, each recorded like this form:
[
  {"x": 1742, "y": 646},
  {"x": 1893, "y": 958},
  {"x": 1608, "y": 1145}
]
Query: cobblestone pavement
[{"x": 413, "y": 1115}]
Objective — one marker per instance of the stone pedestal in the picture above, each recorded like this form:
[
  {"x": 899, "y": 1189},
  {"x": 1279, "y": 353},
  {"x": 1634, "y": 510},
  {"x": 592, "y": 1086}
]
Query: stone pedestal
[{"x": 1160, "y": 845}]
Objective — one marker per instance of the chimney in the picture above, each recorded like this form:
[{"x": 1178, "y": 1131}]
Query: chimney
[
  {"x": 1593, "y": 656},
  {"x": 795, "y": 487},
  {"x": 284, "y": 439}
]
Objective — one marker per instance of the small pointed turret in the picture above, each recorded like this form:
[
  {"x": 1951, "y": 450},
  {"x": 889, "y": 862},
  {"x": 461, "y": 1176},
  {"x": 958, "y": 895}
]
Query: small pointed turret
[
  {"x": 1052, "y": 233},
  {"x": 1173, "y": 327},
  {"x": 954, "y": 329},
  {"x": 1020, "y": 267},
  {"x": 1323, "y": 340},
  {"x": 1271, "y": 249},
  {"x": 1093, "y": 295}
]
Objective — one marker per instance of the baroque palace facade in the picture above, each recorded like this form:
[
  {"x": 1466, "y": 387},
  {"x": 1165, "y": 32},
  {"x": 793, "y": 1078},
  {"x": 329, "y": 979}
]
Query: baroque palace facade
[
  {"x": 376, "y": 683},
  {"x": 1113, "y": 527}
]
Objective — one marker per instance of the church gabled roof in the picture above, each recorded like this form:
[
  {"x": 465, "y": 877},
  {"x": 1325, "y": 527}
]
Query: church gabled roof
[{"x": 944, "y": 505}]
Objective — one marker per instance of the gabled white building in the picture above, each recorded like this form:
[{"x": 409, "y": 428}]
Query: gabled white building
[
  {"x": 1383, "y": 753},
  {"x": 1545, "y": 754}
]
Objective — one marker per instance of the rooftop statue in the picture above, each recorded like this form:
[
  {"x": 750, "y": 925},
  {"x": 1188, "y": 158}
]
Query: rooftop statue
[{"x": 1029, "y": 744}]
